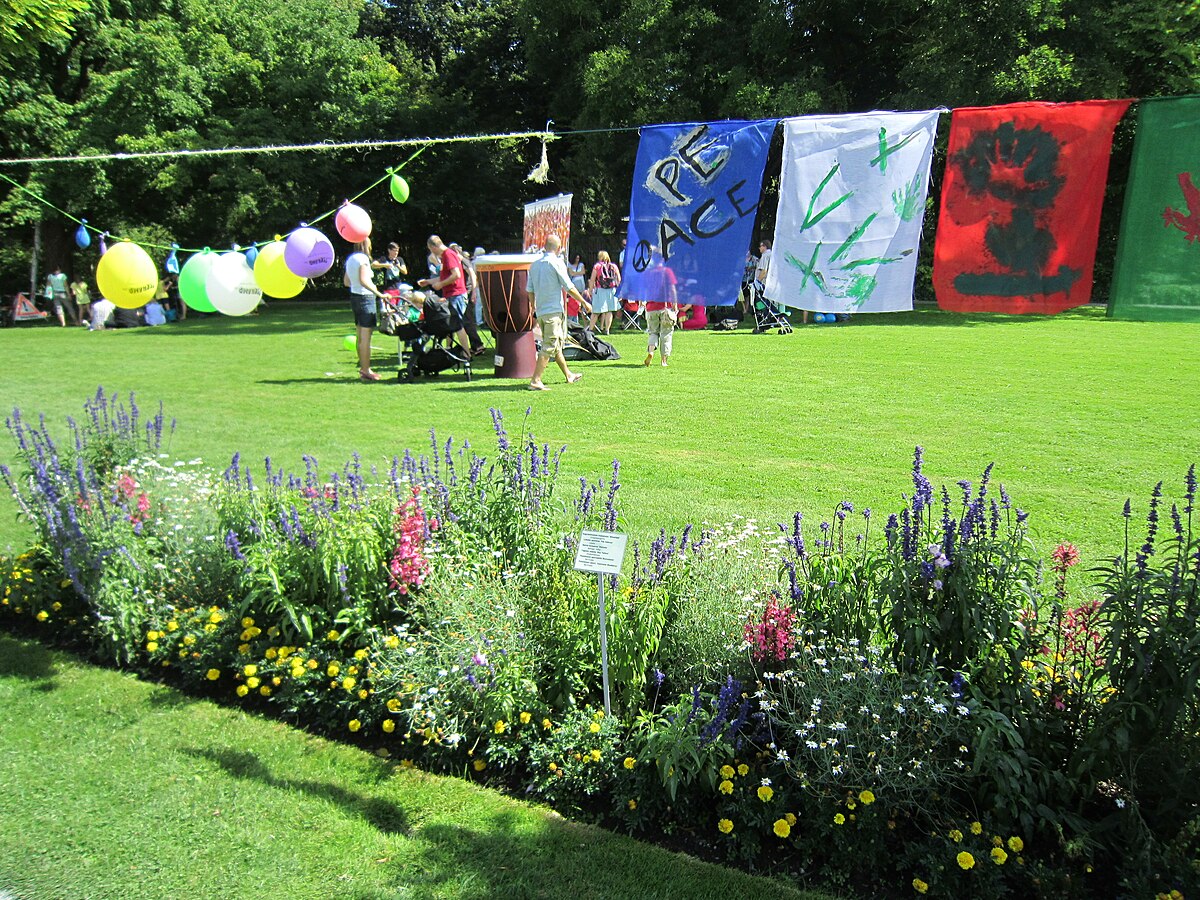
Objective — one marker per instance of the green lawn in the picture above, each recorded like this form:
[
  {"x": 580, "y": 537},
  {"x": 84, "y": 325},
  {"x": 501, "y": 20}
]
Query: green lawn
[
  {"x": 1077, "y": 411},
  {"x": 114, "y": 788}
]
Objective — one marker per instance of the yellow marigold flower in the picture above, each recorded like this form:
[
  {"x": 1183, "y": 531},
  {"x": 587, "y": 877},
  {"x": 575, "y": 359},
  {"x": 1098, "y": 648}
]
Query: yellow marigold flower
[
  {"x": 743, "y": 770},
  {"x": 311, "y": 664},
  {"x": 265, "y": 691},
  {"x": 839, "y": 819},
  {"x": 765, "y": 793},
  {"x": 632, "y": 804},
  {"x": 726, "y": 771},
  {"x": 781, "y": 828},
  {"x": 250, "y": 669},
  {"x": 630, "y": 762},
  {"x": 996, "y": 841},
  {"x": 333, "y": 670},
  {"x": 392, "y": 642},
  {"x": 360, "y": 654},
  {"x": 298, "y": 671},
  {"x": 188, "y": 640},
  {"x": 595, "y": 755},
  {"x": 150, "y": 647},
  {"x": 500, "y": 726},
  {"x": 393, "y": 705},
  {"x": 277, "y": 681},
  {"x": 955, "y": 835},
  {"x": 594, "y": 728},
  {"x": 215, "y": 618},
  {"x": 525, "y": 717},
  {"x": 353, "y": 670},
  {"x": 354, "y": 725},
  {"x": 333, "y": 635},
  {"x": 976, "y": 828},
  {"x": 791, "y": 818},
  {"x": 553, "y": 767},
  {"x": 598, "y": 715},
  {"x": 363, "y": 693},
  {"x": 247, "y": 622},
  {"x": 172, "y": 625},
  {"x": 272, "y": 631},
  {"x": 349, "y": 682},
  {"x": 725, "y": 787},
  {"x": 965, "y": 860},
  {"x": 850, "y": 804},
  {"x": 389, "y": 725},
  {"x": 242, "y": 690},
  {"x": 999, "y": 856},
  {"x": 479, "y": 765},
  {"x": 1015, "y": 844},
  {"x": 56, "y": 606},
  {"x": 152, "y": 635},
  {"x": 919, "y": 886},
  {"x": 547, "y": 724},
  {"x": 271, "y": 653},
  {"x": 244, "y": 649},
  {"x": 866, "y": 798},
  {"x": 213, "y": 674},
  {"x": 725, "y": 826},
  {"x": 210, "y": 628},
  {"x": 252, "y": 682}
]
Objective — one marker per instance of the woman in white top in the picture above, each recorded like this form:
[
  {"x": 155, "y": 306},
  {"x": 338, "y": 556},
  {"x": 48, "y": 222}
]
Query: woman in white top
[{"x": 364, "y": 301}]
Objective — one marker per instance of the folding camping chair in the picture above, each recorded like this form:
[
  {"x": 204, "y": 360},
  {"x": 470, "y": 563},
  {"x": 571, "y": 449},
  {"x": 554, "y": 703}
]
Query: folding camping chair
[{"x": 633, "y": 315}]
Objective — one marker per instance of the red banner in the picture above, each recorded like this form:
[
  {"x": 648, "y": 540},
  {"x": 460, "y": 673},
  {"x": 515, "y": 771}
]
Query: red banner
[{"x": 1021, "y": 205}]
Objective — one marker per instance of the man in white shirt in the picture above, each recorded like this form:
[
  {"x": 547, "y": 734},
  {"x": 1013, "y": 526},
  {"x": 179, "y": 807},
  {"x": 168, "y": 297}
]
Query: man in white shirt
[{"x": 547, "y": 281}]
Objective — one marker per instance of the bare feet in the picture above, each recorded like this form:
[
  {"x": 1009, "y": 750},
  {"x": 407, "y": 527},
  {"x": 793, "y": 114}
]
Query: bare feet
[
  {"x": 368, "y": 376},
  {"x": 538, "y": 387},
  {"x": 649, "y": 359}
]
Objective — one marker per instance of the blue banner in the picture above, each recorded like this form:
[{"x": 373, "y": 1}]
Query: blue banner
[{"x": 695, "y": 191}]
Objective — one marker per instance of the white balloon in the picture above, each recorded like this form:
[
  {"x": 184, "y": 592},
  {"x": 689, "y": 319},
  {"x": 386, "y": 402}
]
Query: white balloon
[{"x": 231, "y": 287}]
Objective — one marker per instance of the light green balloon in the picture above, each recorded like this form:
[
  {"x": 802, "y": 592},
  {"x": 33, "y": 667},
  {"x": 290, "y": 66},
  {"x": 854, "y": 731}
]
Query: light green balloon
[
  {"x": 192, "y": 277},
  {"x": 399, "y": 189},
  {"x": 350, "y": 342}
]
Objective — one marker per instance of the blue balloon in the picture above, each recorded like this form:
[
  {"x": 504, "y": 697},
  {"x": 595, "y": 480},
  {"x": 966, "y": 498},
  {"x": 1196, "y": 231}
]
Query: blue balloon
[
  {"x": 819, "y": 317},
  {"x": 172, "y": 264},
  {"x": 83, "y": 239},
  {"x": 251, "y": 254}
]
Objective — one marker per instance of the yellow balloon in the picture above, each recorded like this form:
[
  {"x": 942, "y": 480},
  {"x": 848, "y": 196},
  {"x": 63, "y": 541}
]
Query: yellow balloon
[
  {"x": 127, "y": 276},
  {"x": 273, "y": 275}
]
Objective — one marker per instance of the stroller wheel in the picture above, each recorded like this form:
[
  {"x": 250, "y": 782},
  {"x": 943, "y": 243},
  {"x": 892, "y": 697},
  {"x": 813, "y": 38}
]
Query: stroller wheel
[{"x": 467, "y": 369}]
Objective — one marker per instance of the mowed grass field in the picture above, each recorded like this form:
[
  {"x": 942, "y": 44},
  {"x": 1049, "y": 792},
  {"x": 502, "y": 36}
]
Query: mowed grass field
[{"x": 1077, "y": 411}]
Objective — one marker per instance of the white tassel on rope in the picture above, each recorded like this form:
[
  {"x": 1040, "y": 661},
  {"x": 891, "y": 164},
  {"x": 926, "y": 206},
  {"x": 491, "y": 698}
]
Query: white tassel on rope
[{"x": 540, "y": 173}]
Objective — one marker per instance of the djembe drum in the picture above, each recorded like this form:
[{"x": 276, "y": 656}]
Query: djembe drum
[{"x": 508, "y": 312}]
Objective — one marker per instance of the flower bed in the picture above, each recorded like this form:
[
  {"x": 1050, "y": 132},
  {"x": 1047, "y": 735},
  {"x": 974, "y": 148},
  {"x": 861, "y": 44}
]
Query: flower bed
[{"x": 800, "y": 700}]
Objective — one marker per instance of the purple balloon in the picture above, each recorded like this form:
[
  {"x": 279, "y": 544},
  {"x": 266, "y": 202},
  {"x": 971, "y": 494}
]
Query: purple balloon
[{"x": 308, "y": 253}]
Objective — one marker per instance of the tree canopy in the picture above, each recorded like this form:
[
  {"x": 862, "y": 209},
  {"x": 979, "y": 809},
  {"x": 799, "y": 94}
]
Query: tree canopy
[{"x": 103, "y": 76}]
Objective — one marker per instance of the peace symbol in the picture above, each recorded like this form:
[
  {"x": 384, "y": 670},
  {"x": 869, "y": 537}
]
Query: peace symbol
[{"x": 641, "y": 256}]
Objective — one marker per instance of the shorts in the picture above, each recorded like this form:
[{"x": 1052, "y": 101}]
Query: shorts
[
  {"x": 554, "y": 333},
  {"x": 366, "y": 310},
  {"x": 458, "y": 311}
]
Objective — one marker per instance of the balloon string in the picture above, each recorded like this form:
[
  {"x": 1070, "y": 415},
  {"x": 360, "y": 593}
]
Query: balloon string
[
  {"x": 371, "y": 187},
  {"x": 101, "y": 232}
]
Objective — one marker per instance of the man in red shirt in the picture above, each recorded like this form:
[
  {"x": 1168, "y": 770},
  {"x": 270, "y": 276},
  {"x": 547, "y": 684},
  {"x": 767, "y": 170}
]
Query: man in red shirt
[
  {"x": 662, "y": 311},
  {"x": 452, "y": 286}
]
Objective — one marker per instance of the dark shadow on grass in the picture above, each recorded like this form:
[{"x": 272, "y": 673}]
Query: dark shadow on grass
[
  {"x": 503, "y": 856},
  {"x": 28, "y": 660},
  {"x": 383, "y": 816}
]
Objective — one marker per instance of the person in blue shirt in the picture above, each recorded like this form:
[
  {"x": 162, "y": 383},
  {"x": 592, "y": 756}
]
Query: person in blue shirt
[{"x": 547, "y": 282}]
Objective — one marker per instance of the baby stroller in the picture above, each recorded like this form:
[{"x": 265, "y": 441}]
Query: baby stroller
[
  {"x": 767, "y": 316},
  {"x": 420, "y": 334}
]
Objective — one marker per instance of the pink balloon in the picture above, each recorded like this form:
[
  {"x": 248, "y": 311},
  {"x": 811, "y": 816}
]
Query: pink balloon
[
  {"x": 353, "y": 223},
  {"x": 308, "y": 253}
]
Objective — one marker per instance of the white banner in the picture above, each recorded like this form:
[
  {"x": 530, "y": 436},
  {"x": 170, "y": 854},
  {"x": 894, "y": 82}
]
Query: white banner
[{"x": 851, "y": 204}]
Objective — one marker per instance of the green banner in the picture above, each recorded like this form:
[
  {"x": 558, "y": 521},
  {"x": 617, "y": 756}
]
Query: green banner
[{"x": 1157, "y": 271}]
